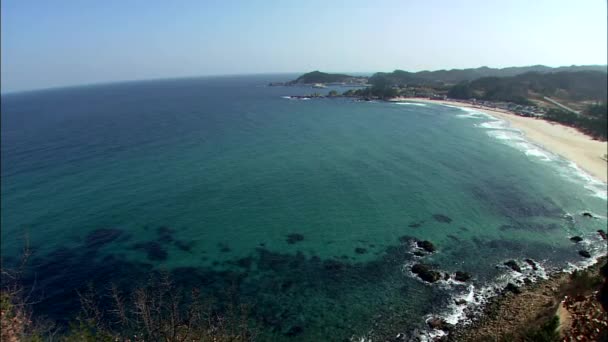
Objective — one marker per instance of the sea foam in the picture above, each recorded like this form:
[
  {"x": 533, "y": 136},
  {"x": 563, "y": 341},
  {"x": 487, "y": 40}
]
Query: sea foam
[
  {"x": 502, "y": 131},
  {"x": 411, "y": 104}
]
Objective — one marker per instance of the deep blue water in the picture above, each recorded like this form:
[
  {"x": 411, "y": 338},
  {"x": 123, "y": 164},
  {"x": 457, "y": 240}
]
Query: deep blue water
[{"x": 307, "y": 208}]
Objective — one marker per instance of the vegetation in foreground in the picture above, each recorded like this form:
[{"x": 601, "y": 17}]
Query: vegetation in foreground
[{"x": 155, "y": 312}]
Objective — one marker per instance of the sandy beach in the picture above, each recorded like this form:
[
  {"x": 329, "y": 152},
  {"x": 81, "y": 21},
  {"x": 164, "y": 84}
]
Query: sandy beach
[{"x": 565, "y": 141}]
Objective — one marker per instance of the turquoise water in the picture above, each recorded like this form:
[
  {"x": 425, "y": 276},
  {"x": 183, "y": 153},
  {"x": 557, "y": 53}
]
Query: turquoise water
[{"x": 230, "y": 168}]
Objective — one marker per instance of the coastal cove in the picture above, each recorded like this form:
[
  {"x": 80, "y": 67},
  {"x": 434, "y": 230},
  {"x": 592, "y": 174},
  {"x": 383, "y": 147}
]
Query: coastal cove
[{"x": 313, "y": 213}]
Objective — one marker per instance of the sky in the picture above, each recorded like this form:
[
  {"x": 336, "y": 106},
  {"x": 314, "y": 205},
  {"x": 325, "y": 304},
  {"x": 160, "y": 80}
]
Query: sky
[{"x": 61, "y": 42}]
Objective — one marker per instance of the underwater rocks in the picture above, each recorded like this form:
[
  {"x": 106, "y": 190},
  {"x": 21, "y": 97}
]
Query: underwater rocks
[
  {"x": 584, "y": 254},
  {"x": 224, "y": 248},
  {"x": 442, "y": 218},
  {"x": 512, "y": 264},
  {"x": 154, "y": 251},
  {"x": 417, "y": 224},
  {"x": 360, "y": 250},
  {"x": 294, "y": 331},
  {"x": 576, "y": 239},
  {"x": 587, "y": 214},
  {"x": 602, "y": 234},
  {"x": 425, "y": 273},
  {"x": 293, "y": 238},
  {"x": 184, "y": 246},
  {"x": 102, "y": 236},
  {"x": 165, "y": 234}
]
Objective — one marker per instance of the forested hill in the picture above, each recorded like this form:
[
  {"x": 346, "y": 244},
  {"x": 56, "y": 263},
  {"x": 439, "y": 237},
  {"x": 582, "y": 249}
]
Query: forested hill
[
  {"x": 454, "y": 76},
  {"x": 569, "y": 86},
  {"x": 322, "y": 77}
]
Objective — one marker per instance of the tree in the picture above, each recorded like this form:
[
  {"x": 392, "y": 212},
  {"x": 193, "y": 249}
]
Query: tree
[{"x": 460, "y": 91}]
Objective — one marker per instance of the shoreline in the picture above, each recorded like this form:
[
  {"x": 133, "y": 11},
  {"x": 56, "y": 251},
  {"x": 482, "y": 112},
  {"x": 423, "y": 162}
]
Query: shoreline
[
  {"x": 515, "y": 313},
  {"x": 567, "y": 142}
]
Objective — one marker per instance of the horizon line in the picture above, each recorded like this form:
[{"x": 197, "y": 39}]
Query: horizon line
[{"x": 101, "y": 83}]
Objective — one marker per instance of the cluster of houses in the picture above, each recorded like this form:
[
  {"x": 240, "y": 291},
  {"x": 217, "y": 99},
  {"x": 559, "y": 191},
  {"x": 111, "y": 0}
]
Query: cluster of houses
[{"x": 512, "y": 107}]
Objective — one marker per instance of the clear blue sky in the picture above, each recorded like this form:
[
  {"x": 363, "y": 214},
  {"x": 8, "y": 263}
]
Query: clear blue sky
[{"x": 61, "y": 42}]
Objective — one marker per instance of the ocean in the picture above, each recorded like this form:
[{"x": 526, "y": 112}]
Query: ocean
[{"x": 305, "y": 209}]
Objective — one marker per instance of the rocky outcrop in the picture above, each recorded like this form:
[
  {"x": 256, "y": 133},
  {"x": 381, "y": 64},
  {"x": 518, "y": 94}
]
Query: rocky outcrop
[
  {"x": 512, "y": 264},
  {"x": 426, "y": 245},
  {"x": 438, "y": 323},
  {"x": 576, "y": 239},
  {"x": 462, "y": 276},
  {"x": 587, "y": 214},
  {"x": 426, "y": 273},
  {"x": 532, "y": 264},
  {"x": 584, "y": 254}
]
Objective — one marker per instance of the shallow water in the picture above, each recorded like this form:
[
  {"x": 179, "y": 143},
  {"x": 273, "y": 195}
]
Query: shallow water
[{"x": 299, "y": 205}]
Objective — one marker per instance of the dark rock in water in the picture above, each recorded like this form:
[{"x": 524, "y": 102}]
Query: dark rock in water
[
  {"x": 460, "y": 302},
  {"x": 446, "y": 276},
  {"x": 587, "y": 214},
  {"x": 154, "y": 250},
  {"x": 584, "y": 254},
  {"x": 294, "y": 331},
  {"x": 419, "y": 253},
  {"x": 527, "y": 281},
  {"x": 462, "y": 276},
  {"x": 513, "y": 265},
  {"x": 576, "y": 239},
  {"x": 415, "y": 224},
  {"x": 426, "y": 273},
  {"x": 512, "y": 288},
  {"x": 602, "y": 234},
  {"x": 360, "y": 250},
  {"x": 295, "y": 237},
  {"x": 100, "y": 237},
  {"x": 438, "y": 323},
  {"x": 286, "y": 285},
  {"x": 531, "y": 263},
  {"x": 426, "y": 245},
  {"x": 442, "y": 218}
]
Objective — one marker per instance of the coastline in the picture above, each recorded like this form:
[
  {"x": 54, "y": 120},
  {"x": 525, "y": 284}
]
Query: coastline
[
  {"x": 562, "y": 140},
  {"x": 512, "y": 314}
]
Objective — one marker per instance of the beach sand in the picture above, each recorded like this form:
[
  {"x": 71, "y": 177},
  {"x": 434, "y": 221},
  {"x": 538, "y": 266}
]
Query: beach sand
[{"x": 565, "y": 141}]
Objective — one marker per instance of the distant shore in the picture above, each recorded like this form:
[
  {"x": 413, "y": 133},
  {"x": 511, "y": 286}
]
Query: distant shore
[{"x": 565, "y": 141}]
